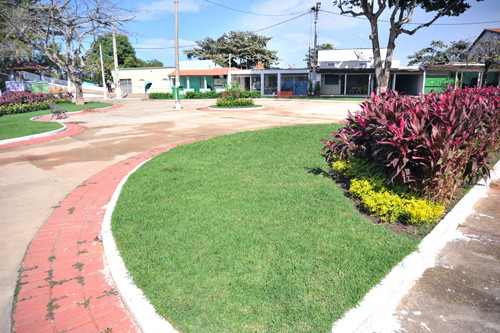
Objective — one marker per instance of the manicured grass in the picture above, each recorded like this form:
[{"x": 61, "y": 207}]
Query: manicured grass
[
  {"x": 17, "y": 125},
  {"x": 245, "y": 233}
]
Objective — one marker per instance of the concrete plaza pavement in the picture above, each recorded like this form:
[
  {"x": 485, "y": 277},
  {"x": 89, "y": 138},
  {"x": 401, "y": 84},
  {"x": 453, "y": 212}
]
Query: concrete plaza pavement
[{"x": 35, "y": 178}]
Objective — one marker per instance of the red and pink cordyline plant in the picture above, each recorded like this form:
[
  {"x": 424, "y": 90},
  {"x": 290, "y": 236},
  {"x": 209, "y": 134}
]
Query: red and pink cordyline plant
[{"x": 432, "y": 143}]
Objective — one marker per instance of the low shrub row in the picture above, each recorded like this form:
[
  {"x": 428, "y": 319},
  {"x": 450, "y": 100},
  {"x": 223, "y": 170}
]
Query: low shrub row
[
  {"x": 433, "y": 144},
  {"x": 202, "y": 95},
  {"x": 22, "y": 102},
  {"x": 229, "y": 102},
  {"x": 160, "y": 95},
  {"x": 390, "y": 202}
]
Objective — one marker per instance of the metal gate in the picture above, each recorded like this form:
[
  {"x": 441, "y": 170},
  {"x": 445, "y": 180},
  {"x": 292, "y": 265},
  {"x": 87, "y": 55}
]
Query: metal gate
[{"x": 126, "y": 86}]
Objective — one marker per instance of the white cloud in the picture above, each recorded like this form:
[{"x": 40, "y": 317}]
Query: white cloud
[
  {"x": 162, "y": 49},
  {"x": 293, "y": 38},
  {"x": 147, "y": 11}
]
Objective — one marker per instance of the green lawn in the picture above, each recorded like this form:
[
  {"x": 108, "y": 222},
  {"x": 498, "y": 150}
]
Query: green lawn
[
  {"x": 18, "y": 125},
  {"x": 245, "y": 233}
]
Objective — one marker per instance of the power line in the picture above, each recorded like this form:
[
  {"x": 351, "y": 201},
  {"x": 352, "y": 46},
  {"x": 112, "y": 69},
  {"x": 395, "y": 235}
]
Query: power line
[
  {"x": 162, "y": 48},
  {"x": 415, "y": 23},
  {"x": 271, "y": 26},
  {"x": 293, "y": 18},
  {"x": 251, "y": 13}
]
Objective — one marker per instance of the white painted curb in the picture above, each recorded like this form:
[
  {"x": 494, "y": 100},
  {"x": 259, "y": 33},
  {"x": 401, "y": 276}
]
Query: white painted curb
[
  {"x": 375, "y": 310},
  {"x": 41, "y": 135},
  {"x": 33, "y": 136},
  {"x": 143, "y": 312}
]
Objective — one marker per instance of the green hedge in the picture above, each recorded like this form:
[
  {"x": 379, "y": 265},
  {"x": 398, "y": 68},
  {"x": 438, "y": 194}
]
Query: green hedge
[
  {"x": 29, "y": 107},
  {"x": 235, "y": 102},
  {"x": 160, "y": 95},
  {"x": 212, "y": 94}
]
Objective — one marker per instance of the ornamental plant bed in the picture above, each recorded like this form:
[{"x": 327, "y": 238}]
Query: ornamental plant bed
[
  {"x": 433, "y": 144},
  {"x": 420, "y": 152}
]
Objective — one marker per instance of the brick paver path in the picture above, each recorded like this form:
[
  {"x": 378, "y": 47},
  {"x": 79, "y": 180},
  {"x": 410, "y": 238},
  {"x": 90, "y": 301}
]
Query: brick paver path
[{"x": 64, "y": 284}]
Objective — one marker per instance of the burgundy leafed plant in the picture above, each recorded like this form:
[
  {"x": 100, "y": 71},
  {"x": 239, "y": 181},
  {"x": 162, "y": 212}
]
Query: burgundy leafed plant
[{"x": 433, "y": 143}]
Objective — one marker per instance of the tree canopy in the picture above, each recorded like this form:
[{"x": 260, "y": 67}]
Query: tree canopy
[
  {"x": 240, "y": 49},
  {"x": 487, "y": 52},
  {"x": 125, "y": 54},
  {"x": 440, "y": 53},
  {"x": 401, "y": 13},
  {"x": 63, "y": 29},
  {"x": 309, "y": 57}
]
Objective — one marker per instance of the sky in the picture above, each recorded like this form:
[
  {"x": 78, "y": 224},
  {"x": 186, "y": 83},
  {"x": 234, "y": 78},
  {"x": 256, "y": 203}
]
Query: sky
[{"x": 290, "y": 23}]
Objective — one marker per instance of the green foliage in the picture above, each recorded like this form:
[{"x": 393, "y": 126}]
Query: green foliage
[
  {"x": 22, "y": 102},
  {"x": 434, "y": 143},
  {"x": 309, "y": 57},
  {"x": 390, "y": 202},
  {"x": 232, "y": 97},
  {"x": 160, "y": 95},
  {"x": 125, "y": 54},
  {"x": 317, "y": 89},
  {"x": 434, "y": 54},
  {"x": 212, "y": 94},
  {"x": 235, "y": 102},
  {"x": 202, "y": 95},
  {"x": 243, "y": 233},
  {"x": 245, "y": 49}
]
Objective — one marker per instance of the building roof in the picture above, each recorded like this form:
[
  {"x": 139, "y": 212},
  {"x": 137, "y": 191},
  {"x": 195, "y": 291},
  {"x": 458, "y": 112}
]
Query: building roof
[
  {"x": 202, "y": 72},
  {"x": 26, "y": 65},
  {"x": 495, "y": 30},
  {"x": 456, "y": 67}
]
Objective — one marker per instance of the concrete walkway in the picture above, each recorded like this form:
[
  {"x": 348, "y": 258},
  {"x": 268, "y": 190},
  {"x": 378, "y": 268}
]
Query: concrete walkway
[{"x": 53, "y": 192}]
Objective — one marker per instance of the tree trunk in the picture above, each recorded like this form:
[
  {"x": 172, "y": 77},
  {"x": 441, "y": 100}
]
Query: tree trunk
[
  {"x": 77, "y": 80},
  {"x": 381, "y": 74}
]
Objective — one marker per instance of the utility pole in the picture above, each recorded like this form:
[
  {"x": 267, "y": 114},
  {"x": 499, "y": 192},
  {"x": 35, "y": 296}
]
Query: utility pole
[
  {"x": 102, "y": 72},
  {"x": 118, "y": 91},
  {"x": 315, "y": 51},
  {"x": 177, "y": 77}
]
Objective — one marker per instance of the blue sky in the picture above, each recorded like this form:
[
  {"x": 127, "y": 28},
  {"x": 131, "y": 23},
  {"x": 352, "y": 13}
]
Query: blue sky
[{"x": 153, "y": 26}]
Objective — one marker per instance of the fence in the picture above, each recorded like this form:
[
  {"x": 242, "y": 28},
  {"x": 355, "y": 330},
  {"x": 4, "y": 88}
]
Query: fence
[{"x": 64, "y": 83}]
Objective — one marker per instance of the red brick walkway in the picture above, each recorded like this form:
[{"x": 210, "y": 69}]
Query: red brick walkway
[
  {"x": 64, "y": 285},
  {"x": 72, "y": 129}
]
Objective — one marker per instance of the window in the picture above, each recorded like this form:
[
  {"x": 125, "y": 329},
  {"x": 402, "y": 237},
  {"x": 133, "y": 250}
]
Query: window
[{"x": 331, "y": 80}]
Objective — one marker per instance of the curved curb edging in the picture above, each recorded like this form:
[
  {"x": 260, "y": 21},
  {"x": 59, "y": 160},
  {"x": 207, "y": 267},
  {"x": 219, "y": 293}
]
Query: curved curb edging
[
  {"x": 373, "y": 312},
  {"x": 237, "y": 109},
  {"x": 51, "y": 135},
  {"x": 142, "y": 310},
  {"x": 33, "y": 136}
]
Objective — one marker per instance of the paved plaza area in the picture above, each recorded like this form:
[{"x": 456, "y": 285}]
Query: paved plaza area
[
  {"x": 54, "y": 192},
  {"x": 36, "y": 178}
]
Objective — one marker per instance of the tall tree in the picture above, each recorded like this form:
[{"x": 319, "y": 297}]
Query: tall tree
[
  {"x": 440, "y": 53},
  {"x": 244, "y": 49},
  {"x": 309, "y": 57},
  {"x": 401, "y": 12},
  {"x": 70, "y": 24},
  {"x": 125, "y": 54},
  {"x": 487, "y": 52}
]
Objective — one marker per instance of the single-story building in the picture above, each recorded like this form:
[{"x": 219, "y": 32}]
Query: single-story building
[
  {"x": 201, "y": 79},
  {"x": 270, "y": 81}
]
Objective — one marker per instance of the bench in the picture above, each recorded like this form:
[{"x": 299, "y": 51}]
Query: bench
[
  {"x": 283, "y": 94},
  {"x": 56, "y": 111}
]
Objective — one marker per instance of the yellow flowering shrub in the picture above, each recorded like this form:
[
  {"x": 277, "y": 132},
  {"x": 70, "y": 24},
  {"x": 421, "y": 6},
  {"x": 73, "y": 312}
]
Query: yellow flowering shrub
[{"x": 389, "y": 202}]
